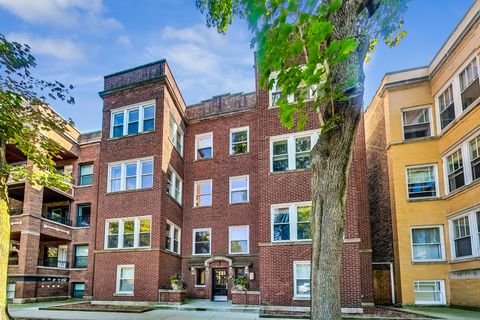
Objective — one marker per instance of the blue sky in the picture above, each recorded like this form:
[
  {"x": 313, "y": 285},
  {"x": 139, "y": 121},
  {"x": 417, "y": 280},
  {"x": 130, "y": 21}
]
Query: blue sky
[{"x": 79, "y": 41}]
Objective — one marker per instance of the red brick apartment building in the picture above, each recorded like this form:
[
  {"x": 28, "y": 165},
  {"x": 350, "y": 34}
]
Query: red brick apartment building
[{"x": 209, "y": 191}]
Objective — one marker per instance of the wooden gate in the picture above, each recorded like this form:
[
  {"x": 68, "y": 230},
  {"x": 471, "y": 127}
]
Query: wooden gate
[{"x": 382, "y": 287}]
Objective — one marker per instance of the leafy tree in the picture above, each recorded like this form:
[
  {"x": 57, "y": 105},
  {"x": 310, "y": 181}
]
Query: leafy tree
[
  {"x": 25, "y": 121},
  {"x": 318, "y": 46}
]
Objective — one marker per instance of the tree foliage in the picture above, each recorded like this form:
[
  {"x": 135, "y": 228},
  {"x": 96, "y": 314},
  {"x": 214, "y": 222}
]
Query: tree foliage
[
  {"x": 25, "y": 118},
  {"x": 297, "y": 48}
]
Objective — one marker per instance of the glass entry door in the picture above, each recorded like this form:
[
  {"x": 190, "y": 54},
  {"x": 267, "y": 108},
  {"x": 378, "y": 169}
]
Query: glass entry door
[{"x": 220, "y": 284}]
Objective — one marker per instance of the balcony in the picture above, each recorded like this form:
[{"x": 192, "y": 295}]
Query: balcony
[
  {"x": 52, "y": 262},
  {"x": 52, "y": 216}
]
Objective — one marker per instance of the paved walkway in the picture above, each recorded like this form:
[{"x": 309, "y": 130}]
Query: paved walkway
[{"x": 444, "y": 312}]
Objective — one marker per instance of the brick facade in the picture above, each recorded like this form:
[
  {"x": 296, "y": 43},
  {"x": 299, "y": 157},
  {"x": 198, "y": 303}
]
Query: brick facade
[{"x": 267, "y": 265}]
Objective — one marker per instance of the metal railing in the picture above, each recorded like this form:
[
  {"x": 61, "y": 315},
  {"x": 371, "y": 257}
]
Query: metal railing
[
  {"x": 57, "y": 218},
  {"x": 52, "y": 262}
]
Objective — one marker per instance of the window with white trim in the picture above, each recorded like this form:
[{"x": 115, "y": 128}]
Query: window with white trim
[
  {"x": 422, "y": 181},
  {"x": 291, "y": 222},
  {"x": 202, "y": 241},
  {"x": 301, "y": 279},
  {"x": 306, "y": 93},
  {"x": 202, "y": 193},
  {"x": 239, "y": 189},
  {"x": 172, "y": 237},
  {"x": 475, "y": 157},
  {"x": 132, "y": 120},
  {"x": 446, "y": 107},
  {"x": 204, "y": 146},
  {"x": 427, "y": 243},
  {"x": 456, "y": 175},
  {"x": 429, "y": 292},
  {"x": 416, "y": 123},
  {"x": 238, "y": 239},
  {"x": 174, "y": 185},
  {"x": 125, "y": 279},
  {"x": 291, "y": 152},
  {"x": 239, "y": 140},
  {"x": 469, "y": 84},
  {"x": 175, "y": 134},
  {"x": 130, "y": 175},
  {"x": 128, "y": 233},
  {"x": 462, "y": 237}
]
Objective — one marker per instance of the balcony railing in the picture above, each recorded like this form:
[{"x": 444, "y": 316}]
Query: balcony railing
[
  {"x": 57, "y": 218},
  {"x": 15, "y": 212},
  {"x": 52, "y": 262}
]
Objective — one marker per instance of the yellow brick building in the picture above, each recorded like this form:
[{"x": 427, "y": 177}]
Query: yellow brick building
[{"x": 423, "y": 133}]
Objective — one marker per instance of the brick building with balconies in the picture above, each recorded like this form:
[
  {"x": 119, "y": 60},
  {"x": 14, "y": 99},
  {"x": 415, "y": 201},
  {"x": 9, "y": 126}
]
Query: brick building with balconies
[{"x": 211, "y": 191}]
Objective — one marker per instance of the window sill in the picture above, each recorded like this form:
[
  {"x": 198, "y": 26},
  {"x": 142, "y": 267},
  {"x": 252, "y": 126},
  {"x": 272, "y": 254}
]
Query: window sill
[
  {"x": 200, "y": 286},
  {"x": 466, "y": 259},
  {"x": 233, "y": 155},
  {"x": 201, "y": 160},
  {"x": 84, "y": 186},
  {"x": 301, "y": 298},
  {"x": 429, "y": 262},
  {"x": 116, "y": 294},
  {"x": 175, "y": 254},
  {"x": 420, "y": 139},
  {"x": 82, "y": 227},
  {"x": 290, "y": 171},
  {"x": 285, "y": 243},
  {"x": 125, "y": 249},
  {"x": 239, "y": 203},
  {"x": 128, "y": 191},
  {"x": 424, "y": 199},
  {"x": 130, "y": 135},
  {"x": 202, "y": 207},
  {"x": 462, "y": 189}
]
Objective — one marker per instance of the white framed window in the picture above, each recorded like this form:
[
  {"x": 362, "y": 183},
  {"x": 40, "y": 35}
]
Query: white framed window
[
  {"x": 125, "y": 279},
  {"x": 204, "y": 146},
  {"x": 239, "y": 189},
  {"x": 469, "y": 84},
  {"x": 291, "y": 221},
  {"x": 417, "y": 122},
  {"x": 292, "y": 151},
  {"x": 172, "y": 237},
  {"x": 275, "y": 93},
  {"x": 202, "y": 193},
  {"x": 429, "y": 292},
  {"x": 474, "y": 148},
  {"x": 459, "y": 94},
  {"x": 455, "y": 170},
  {"x": 202, "y": 241},
  {"x": 465, "y": 235},
  {"x": 301, "y": 279},
  {"x": 132, "y": 120},
  {"x": 174, "y": 185},
  {"x": 239, "y": 140},
  {"x": 175, "y": 134},
  {"x": 132, "y": 232},
  {"x": 238, "y": 239},
  {"x": 422, "y": 181},
  {"x": 130, "y": 175},
  {"x": 427, "y": 243}
]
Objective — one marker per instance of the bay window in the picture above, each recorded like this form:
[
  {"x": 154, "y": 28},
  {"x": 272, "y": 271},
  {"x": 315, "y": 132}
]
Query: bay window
[
  {"x": 475, "y": 157},
  {"x": 469, "y": 84},
  {"x": 172, "y": 237},
  {"x": 175, "y": 134},
  {"x": 174, "y": 185},
  {"x": 446, "y": 107},
  {"x": 462, "y": 238},
  {"x": 455, "y": 171}
]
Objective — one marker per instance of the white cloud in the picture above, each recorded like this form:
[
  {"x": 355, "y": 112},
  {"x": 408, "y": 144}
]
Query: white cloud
[
  {"x": 204, "y": 62},
  {"x": 62, "y": 49},
  {"x": 124, "y": 40},
  {"x": 67, "y": 13}
]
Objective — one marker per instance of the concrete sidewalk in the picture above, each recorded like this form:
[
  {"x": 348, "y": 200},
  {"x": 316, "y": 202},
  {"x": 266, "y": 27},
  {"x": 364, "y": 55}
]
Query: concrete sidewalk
[{"x": 443, "y": 312}]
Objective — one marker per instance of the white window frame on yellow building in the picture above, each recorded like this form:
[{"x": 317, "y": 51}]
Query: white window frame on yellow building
[
  {"x": 457, "y": 99},
  {"x": 442, "y": 242},
  {"x": 442, "y": 292},
  {"x": 430, "y": 120},
  {"x": 435, "y": 172},
  {"x": 474, "y": 234},
  {"x": 464, "y": 146}
]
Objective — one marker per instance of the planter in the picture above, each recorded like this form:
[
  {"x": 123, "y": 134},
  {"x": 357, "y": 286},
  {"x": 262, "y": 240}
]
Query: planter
[
  {"x": 239, "y": 287},
  {"x": 177, "y": 286}
]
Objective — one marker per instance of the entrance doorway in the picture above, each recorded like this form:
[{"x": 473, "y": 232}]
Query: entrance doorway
[{"x": 219, "y": 286}]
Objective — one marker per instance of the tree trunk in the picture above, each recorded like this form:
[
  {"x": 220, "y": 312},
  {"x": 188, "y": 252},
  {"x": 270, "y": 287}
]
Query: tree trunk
[
  {"x": 4, "y": 232},
  {"x": 331, "y": 159}
]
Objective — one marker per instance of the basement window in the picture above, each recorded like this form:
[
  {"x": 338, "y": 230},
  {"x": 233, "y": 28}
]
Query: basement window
[{"x": 429, "y": 292}]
